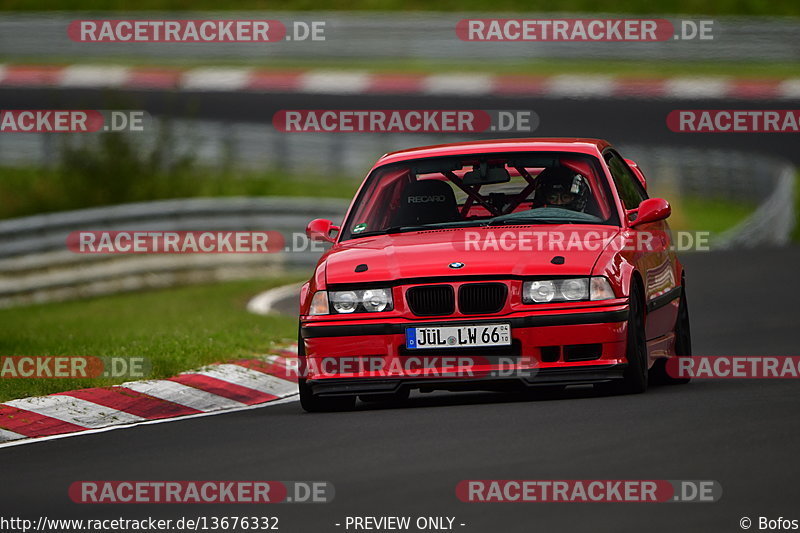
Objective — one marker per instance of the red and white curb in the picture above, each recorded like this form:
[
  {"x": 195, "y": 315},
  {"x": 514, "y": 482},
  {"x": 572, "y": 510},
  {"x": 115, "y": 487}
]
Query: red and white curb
[
  {"x": 216, "y": 388},
  {"x": 230, "y": 79}
]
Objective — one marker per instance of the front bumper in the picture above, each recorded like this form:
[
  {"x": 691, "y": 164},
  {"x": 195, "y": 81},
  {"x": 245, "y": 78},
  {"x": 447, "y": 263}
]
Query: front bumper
[
  {"x": 522, "y": 381},
  {"x": 571, "y": 346}
]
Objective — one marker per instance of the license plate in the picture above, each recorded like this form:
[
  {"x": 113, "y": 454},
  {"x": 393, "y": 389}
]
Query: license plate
[{"x": 458, "y": 336}]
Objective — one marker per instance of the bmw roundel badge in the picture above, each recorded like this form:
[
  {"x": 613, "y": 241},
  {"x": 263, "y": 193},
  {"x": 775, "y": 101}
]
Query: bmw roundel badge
[{"x": 456, "y": 265}]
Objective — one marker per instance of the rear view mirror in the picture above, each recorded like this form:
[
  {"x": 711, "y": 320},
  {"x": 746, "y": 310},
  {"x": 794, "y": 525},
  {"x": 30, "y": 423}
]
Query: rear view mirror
[{"x": 485, "y": 175}]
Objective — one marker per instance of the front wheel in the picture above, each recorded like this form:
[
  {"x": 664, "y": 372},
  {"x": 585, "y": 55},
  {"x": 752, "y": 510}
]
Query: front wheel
[
  {"x": 683, "y": 344},
  {"x": 635, "y": 377},
  {"x": 313, "y": 403}
]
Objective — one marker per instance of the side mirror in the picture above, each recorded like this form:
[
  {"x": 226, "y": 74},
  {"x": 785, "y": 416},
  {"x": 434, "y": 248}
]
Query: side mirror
[
  {"x": 638, "y": 172},
  {"x": 320, "y": 229},
  {"x": 651, "y": 210}
]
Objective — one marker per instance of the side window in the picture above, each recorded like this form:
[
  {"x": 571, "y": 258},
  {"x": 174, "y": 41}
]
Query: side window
[{"x": 628, "y": 186}]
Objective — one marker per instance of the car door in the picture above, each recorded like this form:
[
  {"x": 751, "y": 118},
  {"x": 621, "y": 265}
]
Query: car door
[{"x": 650, "y": 250}]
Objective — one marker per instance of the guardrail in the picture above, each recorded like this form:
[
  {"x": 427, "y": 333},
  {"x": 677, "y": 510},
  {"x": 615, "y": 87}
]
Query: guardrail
[
  {"x": 408, "y": 35},
  {"x": 36, "y": 266},
  {"x": 772, "y": 223}
]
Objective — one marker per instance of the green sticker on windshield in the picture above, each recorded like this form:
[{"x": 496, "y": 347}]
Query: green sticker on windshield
[{"x": 359, "y": 228}]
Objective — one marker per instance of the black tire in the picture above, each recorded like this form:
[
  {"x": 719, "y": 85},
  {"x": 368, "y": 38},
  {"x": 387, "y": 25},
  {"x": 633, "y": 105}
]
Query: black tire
[
  {"x": 635, "y": 377},
  {"x": 313, "y": 403},
  {"x": 683, "y": 344}
]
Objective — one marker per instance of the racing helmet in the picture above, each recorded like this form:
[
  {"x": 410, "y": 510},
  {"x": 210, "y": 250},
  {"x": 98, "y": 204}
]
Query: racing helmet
[{"x": 562, "y": 187}]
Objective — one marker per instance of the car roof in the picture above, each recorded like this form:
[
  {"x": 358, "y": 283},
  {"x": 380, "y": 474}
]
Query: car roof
[{"x": 562, "y": 144}]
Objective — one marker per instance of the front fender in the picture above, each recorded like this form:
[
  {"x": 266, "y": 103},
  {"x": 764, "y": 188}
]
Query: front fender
[
  {"x": 316, "y": 283},
  {"x": 616, "y": 264}
]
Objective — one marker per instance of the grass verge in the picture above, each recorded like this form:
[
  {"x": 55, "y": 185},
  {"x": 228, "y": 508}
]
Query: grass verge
[
  {"x": 713, "y": 215},
  {"x": 176, "y": 329}
]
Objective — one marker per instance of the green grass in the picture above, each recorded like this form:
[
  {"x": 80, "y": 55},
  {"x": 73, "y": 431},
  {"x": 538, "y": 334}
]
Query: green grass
[
  {"x": 31, "y": 191},
  {"x": 718, "y": 7},
  {"x": 176, "y": 329},
  {"x": 534, "y": 67},
  {"x": 713, "y": 215}
]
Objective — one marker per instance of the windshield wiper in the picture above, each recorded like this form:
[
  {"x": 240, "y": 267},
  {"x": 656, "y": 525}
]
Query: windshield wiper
[
  {"x": 403, "y": 229},
  {"x": 528, "y": 221},
  {"x": 388, "y": 231}
]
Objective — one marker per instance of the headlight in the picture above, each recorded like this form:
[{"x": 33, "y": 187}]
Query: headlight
[
  {"x": 344, "y": 301},
  {"x": 566, "y": 290},
  {"x": 538, "y": 291},
  {"x": 575, "y": 289},
  {"x": 376, "y": 300},
  {"x": 362, "y": 301}
]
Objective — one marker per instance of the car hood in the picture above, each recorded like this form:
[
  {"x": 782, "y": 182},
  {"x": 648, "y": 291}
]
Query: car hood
[{"x": 495, "y": 251}]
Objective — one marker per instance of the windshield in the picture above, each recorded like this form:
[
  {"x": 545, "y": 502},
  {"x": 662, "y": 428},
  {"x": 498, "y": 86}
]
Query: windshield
[{"x": 521, "y": 188}]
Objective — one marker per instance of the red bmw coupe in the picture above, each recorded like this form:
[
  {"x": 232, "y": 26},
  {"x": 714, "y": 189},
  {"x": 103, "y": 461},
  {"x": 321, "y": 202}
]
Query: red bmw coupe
[{"x": 493, "y": 265}]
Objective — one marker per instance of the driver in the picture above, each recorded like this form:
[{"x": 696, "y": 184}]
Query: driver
[{"x": 562, "y": 187}]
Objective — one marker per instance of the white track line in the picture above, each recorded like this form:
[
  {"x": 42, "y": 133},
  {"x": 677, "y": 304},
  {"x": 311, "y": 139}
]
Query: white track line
[
  {"x": 466, "y": 84},
  {"x": 334, "y": 82},
  {"x": 33, "y": 440},
  {"x": 573, "y": 86},
  {"x": 291, "y": 365},
  {"x": 6, "y": 435},
  {"x": 74, "y": 411},
  {"x": 182, "y": 394},
  {"x": 790, "y": 88},
  {"x": 251, "y": 379},
  {"x": 261, "y": 304},
  {"x": 94, "y": 76},
  {"x": 216, "y": 79},
  {"x": 696, "y": 87}
]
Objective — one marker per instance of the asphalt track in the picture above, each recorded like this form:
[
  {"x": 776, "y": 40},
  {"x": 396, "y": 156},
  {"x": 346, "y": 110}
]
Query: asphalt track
[
  {"x": 407, "y": 461},
  {"x": 618, "y": 120}
]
